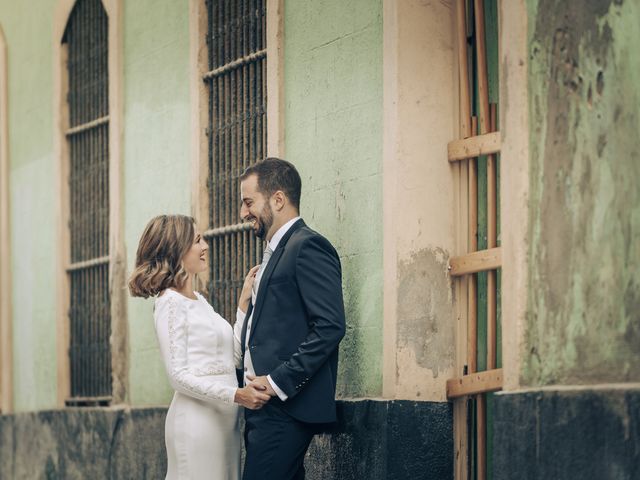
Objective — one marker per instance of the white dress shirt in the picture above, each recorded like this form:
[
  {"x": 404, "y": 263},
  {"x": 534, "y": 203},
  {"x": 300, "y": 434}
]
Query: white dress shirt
[{"x": 240, "y": 318}]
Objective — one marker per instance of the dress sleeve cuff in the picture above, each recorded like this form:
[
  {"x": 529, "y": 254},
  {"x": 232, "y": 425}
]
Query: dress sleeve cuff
[
  {"x": 281, "y": 395},
  {"x": 240, "y": 315}
]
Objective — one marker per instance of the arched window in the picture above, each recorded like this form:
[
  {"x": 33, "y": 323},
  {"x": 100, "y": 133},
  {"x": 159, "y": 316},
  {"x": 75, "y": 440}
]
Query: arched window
[
  {"x": 86, "y": 38},
  {"x": 92, "y": 265}
]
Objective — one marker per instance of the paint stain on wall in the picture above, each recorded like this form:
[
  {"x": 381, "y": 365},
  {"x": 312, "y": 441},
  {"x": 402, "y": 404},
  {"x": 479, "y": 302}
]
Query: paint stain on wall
[{"x": 425, "y": 339}]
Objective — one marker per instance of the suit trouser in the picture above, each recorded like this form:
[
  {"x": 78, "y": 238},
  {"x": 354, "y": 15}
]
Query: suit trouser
[{"x": 276, "y": 444}]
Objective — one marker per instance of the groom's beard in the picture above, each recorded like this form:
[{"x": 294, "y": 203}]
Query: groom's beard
[{"x": 265, "y": 220}]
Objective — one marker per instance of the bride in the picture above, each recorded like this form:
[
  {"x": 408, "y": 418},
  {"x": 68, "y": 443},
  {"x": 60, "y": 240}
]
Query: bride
[{"x": 199, "y": 350}]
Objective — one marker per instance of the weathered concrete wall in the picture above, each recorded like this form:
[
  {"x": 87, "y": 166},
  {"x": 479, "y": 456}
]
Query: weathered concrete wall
[
  {"x": 419, "y": 218},
  {"x": 83, "y": 443},
  {"x": 514, "y": 185},
  {"x": 333, "y": 134},
  {"x": 32, "y": 199},
  {"x": 584, "y": 298},
  {"x": 375, "y": 440},
  {"x": 157, "y": 157}
]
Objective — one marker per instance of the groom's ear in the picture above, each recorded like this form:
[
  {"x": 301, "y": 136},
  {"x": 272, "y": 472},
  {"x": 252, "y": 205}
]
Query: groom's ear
[{"x": 279, "y": 200}]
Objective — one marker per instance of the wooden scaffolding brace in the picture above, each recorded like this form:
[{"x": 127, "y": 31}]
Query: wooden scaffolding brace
[{"x": 468, "y": 149}]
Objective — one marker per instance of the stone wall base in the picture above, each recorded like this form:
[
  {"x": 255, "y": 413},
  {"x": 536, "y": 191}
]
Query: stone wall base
[
  {"x": 577, "y": 434},
  {"x": 373, "y": 440}
]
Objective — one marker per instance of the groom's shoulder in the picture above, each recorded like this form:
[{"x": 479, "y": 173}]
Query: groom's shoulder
[
  {"x": 305, "y": 232},
  {"x": 306, "y": 235}
]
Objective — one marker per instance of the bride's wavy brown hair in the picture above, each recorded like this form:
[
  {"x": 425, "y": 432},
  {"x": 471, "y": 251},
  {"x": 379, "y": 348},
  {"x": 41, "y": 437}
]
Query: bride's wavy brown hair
[{"x": 165, "y": 241}]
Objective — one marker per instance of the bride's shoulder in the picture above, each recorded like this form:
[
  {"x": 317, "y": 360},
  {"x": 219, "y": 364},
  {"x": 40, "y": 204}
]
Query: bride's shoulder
[
  {"x": 200, "y": 297},
  {"x": 167, "y": 296}
]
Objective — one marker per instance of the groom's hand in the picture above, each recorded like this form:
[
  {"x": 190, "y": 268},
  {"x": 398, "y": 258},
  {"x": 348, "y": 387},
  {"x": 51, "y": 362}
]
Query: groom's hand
[
  {"x": 263, "y": 381},
  {"x": 252, "y": 397}
]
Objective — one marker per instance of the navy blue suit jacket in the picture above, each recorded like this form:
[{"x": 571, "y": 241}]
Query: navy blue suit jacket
[{"x": 298, "y": 322}]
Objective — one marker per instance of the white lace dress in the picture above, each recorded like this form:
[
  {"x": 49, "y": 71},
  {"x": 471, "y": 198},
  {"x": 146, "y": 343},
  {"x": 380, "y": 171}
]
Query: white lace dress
[{"x": 201, "y": 430}]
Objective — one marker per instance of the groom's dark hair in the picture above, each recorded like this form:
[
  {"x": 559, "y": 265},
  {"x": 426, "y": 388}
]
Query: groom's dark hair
[{"x": 276, "y": 174}]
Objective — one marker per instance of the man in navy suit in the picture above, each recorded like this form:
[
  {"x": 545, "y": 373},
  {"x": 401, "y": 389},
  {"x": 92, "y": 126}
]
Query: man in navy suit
[{"x": 291, "y": 331}]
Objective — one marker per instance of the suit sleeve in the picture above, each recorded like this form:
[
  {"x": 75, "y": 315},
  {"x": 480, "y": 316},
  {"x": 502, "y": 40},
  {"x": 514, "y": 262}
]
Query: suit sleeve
[
  {"x": 172, "y": 332},
  {"x": 237, "y": 338},
  {"x": 319, "y": 278}
]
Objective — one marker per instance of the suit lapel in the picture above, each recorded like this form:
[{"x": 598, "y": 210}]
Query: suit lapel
[{"x": 268, "y": 271}]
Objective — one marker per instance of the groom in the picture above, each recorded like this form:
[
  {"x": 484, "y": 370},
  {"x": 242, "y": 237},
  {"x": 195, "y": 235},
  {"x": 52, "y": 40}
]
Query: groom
[{"x": 292, "y": 328}]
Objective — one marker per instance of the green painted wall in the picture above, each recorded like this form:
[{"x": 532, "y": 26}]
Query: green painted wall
[
  {"x": 584, "y": 302},
  {"x": 333, "y": 118},
  {"x": 333, "y": 84},
  {"x": 157, "y": 174},
  {"x": 156, "y": 179},
  {"x": 32, "y": 198}
]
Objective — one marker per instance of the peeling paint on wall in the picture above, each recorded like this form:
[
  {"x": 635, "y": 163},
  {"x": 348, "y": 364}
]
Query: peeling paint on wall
[
  {"x": 583, "y": 321},
  {"x": 425, "y": 340}
]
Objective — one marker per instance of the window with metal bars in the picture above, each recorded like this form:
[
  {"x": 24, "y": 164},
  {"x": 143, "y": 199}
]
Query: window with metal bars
[
  {"x": 86, "y": 40},
  {"x": 237, "y": 138}
]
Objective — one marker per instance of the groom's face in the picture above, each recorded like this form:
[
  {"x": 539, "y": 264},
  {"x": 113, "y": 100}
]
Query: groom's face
[{"x": 255, "y": 207}]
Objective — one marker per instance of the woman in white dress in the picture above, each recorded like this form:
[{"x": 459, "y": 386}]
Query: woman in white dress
[{"x": 202, "y": 435}]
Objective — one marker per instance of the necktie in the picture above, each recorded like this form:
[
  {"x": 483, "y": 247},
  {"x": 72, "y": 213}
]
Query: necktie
[{"x": 265, "y": 259}]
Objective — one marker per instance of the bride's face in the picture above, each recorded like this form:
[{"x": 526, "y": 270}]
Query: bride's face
[{"x": 195, "y": 260}]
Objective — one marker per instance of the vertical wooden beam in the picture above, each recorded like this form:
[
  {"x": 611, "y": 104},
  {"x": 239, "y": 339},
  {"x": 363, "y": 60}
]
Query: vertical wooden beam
[
  {"x": 472, "y": 280},
  {"x": 463, "y": 70},
  {"x": 483, "y": 82},
  {"x": 483, "y": 103},
  {"x": 492, "y": 232},
  {"x": 481, "y": 436},
  {"x": 461, "y": 431}
]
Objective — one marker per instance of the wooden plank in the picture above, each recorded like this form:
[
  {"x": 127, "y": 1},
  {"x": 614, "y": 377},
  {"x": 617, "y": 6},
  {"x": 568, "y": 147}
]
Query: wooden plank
[
  {"x": 481, "y": 53},
  {"x": 474, "y": 383},
  {"x": 472, "y": 281},
  {"x": 463, "y": 70},
  {"x": 474, "y": 146},
  {"x": 492, "y": 232},
  {"x": 481, "y": 436},
  {"x": 480, "y": 261},
  {"x": 461, "y": 437}
]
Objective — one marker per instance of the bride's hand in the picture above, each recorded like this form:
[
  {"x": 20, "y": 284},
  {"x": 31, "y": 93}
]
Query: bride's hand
[{"x": 245, "y": 295}]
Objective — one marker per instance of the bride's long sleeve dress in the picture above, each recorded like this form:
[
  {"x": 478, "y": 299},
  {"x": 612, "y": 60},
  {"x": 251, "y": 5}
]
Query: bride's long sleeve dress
[{"x": 201, "y": 431}]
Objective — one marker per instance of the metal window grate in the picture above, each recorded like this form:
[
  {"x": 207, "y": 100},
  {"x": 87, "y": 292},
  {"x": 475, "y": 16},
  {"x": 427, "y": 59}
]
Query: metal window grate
[
  {"x": 237, "y": 137},
  {"x": 86, "y": 37}
]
